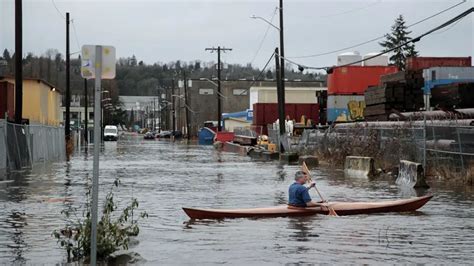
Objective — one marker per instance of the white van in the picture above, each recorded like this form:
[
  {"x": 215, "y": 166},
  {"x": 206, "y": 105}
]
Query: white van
[{"x": 111, "y": 133}]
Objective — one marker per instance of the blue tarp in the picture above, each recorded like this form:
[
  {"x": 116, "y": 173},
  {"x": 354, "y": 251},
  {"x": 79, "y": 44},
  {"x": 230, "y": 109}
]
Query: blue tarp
[{"x": 247, "y": 115}]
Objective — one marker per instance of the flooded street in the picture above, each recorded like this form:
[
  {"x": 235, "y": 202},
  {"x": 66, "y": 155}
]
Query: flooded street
[{"x": 166, "y": 176}]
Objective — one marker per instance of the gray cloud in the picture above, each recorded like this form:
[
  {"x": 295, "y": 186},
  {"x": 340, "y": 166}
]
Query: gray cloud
[{"x": 171, "y": 30}]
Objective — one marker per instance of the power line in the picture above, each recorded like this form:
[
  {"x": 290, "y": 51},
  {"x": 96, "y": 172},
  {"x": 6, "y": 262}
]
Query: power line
[
  {"x": 259, "y": 75},
  {"x": 416, "y": 39},
  {"x": 57, "y": 9},
  {"x": 352, "y": 10},
  {"x": 380, "y": 37},
  {"x": 75, "y": 35},
  {"x": 264, "y": 37}
]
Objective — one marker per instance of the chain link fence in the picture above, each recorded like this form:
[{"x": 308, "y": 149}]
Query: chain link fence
[
  {"x": 250, "y": 131},
  {"x": 24, "y": 145},
  {"x": 445, "y": 150}
]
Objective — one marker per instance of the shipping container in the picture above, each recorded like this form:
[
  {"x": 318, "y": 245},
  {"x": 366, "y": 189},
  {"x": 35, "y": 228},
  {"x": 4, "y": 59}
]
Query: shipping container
[
  {"x": 267, "y": 113},
  {"x": 437, "y": 73},
  {"x": 345, "y": 108},
  {"x": 354, "y": 80},
  {"x": 418, "y": 63},
  {"x": 7, "y": 100},
  {"x": 445, "y": 75}
]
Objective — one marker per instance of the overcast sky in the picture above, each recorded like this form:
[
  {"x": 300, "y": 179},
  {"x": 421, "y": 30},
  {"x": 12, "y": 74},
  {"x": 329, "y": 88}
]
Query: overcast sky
[{"x": 163, "y": 31}]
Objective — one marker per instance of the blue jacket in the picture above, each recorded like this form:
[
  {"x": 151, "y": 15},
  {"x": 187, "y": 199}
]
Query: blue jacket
[{"x": 298, "y": 195}]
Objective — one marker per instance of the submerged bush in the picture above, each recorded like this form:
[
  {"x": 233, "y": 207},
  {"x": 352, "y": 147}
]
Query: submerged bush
[{"x": 113, "y": 230}]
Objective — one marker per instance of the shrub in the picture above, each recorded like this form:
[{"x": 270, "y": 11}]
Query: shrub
[{"x": 113, "y": 230}]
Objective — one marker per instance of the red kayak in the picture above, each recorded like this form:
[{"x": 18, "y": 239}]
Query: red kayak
[{"x": 341, "y": 208}]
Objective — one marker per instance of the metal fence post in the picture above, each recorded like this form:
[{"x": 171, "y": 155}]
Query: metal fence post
[{"x": 460, "y": 148}]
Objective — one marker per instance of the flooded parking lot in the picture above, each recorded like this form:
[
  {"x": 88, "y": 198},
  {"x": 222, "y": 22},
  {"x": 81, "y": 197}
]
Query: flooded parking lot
[{"x": 167, "y": 176}]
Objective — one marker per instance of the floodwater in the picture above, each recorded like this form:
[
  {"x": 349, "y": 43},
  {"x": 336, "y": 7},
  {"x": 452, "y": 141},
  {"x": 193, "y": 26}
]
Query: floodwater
[{"x": 166, "y": 176}]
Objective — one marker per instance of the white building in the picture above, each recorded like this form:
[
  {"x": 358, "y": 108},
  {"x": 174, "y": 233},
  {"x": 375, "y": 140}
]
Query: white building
[{"x": 292, "y": 95}]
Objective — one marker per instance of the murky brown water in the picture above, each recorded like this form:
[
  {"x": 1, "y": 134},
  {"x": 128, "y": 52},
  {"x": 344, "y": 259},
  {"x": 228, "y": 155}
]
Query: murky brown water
[{"x": 166, "y": 176}]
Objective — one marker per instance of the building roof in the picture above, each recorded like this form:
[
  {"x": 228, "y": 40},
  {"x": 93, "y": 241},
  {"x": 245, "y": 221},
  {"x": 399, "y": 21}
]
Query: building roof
[{"x": 33, "y": 79}]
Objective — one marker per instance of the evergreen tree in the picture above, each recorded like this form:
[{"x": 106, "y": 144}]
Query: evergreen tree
[
  {"x": 6, "y": 55},
  {"x": 398, "y": 36},
  {"x": 269, "y": 74}
]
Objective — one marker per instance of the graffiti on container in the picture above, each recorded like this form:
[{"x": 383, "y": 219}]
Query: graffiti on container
[{"x": 356, "y": 110}]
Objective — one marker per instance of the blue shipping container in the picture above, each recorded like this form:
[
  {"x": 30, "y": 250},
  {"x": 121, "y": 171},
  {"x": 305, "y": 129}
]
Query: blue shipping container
[
  {"x": 345, "y": 107},
  {"x": 429, "y": 84}
]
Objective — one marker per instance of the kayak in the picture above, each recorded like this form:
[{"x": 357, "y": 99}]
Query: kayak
[{"x": 341, "y": 208}]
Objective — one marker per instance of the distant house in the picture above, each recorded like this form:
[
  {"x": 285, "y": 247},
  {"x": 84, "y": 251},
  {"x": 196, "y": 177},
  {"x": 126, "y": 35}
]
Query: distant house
[{"x": 41, "y": 101}]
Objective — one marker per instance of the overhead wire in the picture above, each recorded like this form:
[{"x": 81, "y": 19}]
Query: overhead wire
[
  {"x": 416, "y": 39},
  {"x": 264, "y": 37},
  {"x": 380, "y": 37},
  {"x": 352, "y": 10},
  {"x": 259, "y": 75},
  {"x": 73, "y": 27},
  {"x": 75, "y": 35},
  {"x": 57, "y": 9}
]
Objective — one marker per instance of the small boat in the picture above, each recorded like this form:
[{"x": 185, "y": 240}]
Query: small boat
[
  {"x": 206, "y": 136},
  {"x": 341, "y": 208}
]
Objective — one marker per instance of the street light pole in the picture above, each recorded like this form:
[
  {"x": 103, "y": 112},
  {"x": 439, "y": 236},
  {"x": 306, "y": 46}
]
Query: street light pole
[
  {"x": 280, "y": 55},
  {"x": 281, "y": 101},
  {"x": 281, "y": 104},
  {"x": 188, "y": 133}
]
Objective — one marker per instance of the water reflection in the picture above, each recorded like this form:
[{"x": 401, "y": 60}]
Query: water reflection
[
  {"x": 301, "y": 228},
  {"x": 17, "y": 221},
  {"x": 167, "y": 176}
]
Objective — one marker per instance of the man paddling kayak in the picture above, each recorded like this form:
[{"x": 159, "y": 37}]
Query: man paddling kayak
[{"x": 299, "y": 194}]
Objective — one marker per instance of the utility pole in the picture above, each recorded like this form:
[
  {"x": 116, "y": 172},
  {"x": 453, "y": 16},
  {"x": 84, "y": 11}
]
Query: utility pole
[
  {"x": 154, "y": 119},
  {"x": 18, "y": 62},
  {"x": 67, "y": 126},
  {"x": 219, "y": 108},
  {"x": 86, "y": 116},
  {"x": 173, "y": 111},
  {"x": 186, "y": 105},
  {"x": 282, "y": 56},
  {"x": 281, "y": 103}
]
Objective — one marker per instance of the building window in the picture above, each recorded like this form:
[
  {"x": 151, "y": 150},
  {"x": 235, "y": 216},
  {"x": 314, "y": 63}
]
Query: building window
[
  {"x": 91, "y": 116},
  {"x": 206, "y": 91},
  {"x": 240, "y": 92}
]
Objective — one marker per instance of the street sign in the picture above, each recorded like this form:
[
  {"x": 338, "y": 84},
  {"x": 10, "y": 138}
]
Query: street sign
[
  {"x": 98, "y": 62},
  {"x": 89, "y": 62}
]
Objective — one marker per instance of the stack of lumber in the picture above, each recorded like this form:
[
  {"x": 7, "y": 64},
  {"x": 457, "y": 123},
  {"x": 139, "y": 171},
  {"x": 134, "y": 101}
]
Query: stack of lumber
[
  {"x": 454, "y": 95},
  {"x": 401, "y": 91}
]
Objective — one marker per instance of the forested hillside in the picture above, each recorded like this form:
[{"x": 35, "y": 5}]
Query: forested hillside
[{"x": 134, "y": 77}]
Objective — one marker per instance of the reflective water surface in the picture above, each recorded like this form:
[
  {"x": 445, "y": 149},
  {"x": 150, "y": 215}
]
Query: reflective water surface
[{"x": 166, "y": 176}]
